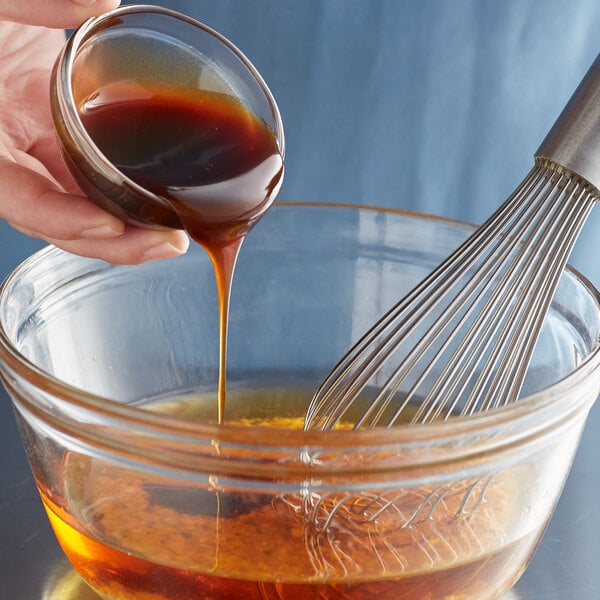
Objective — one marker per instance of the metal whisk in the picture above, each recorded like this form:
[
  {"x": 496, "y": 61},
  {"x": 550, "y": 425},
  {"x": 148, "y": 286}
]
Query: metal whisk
[{"x": 461, "y": 341}]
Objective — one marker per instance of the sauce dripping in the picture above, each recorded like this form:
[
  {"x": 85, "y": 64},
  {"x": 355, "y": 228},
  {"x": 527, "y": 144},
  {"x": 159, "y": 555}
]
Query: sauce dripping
[{"x": 216, "y": 163}]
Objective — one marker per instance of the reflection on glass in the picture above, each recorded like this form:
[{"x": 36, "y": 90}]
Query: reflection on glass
[{"x": 65, "y": 584}]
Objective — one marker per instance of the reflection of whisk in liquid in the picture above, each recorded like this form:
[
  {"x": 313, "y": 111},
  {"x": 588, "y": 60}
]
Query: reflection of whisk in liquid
[{"x": 401, "y": 530}]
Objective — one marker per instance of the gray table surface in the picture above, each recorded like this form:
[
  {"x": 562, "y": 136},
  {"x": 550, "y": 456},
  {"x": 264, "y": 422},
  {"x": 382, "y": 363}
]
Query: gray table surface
[{"x": 566, "y": 565}]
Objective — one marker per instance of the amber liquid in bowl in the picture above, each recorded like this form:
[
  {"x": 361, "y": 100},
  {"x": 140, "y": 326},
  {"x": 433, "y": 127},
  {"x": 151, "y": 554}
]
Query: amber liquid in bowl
[{"x": 139, "y": 536}]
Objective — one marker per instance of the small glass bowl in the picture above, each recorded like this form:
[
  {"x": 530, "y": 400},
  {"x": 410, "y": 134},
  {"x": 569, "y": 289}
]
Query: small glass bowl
[
  {"x": 148, "y": 46},
  {"x": 113, "y": 374}
]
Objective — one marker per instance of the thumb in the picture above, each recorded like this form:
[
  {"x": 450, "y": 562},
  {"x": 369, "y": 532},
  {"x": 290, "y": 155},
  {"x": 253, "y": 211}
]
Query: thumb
[{"x": 61, "y": 14}]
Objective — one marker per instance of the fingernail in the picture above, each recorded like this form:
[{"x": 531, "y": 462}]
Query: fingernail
[
  {"x": 164, "y": 250},
  {"x": 86, "y": 3},
  {"x": 101, "y": 232}
]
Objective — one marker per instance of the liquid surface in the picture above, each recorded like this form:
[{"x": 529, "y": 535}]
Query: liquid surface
[
  {"x": 213, "y": 161},
  {"x": 136, "y": 536}
]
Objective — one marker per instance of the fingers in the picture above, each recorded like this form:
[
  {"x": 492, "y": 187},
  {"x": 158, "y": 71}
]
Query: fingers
[
  {"x": 134, "y": 246},
  {"x": 53, "y": 13},
  {"x": 31, "y": 200},
  {"x": 33, "y": 204}
]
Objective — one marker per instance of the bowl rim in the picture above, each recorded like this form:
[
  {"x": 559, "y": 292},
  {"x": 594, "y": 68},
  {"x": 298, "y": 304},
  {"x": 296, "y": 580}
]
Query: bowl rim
[{"x": 453, "y": 431}]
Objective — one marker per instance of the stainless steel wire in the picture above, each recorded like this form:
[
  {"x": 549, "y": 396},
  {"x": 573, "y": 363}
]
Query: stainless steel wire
[
  {"x": 458, "y": 343},
  {"x": 461, "y": 341}
]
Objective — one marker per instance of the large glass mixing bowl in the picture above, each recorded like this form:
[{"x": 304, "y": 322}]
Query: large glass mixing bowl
[{"x": 113, "y": 375}]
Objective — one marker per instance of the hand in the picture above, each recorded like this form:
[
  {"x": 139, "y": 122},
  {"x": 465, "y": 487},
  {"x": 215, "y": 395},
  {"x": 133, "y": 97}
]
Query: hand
[{"x": 37, "y": 195}]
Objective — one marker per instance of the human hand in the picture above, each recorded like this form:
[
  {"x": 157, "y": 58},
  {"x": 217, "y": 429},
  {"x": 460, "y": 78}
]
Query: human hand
[{"x": 37, "y": 194}]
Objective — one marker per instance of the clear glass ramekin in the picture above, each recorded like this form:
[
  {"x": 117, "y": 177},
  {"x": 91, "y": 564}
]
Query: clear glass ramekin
[
  {"x": 113, "y": 374},
  {"x": 135, "y": 50}
]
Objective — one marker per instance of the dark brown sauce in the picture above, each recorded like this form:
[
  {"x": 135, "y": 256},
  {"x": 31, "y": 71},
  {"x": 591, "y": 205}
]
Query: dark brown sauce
[{"x": 213, "y": 161}]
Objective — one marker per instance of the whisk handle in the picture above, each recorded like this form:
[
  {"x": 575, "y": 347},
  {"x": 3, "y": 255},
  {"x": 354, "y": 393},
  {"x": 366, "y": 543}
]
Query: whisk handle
[{"x": 574, "y": 140}]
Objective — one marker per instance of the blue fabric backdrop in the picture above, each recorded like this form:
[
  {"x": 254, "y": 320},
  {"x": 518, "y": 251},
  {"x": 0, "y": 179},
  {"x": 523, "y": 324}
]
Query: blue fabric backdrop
[{"x": 429, "y": 105}]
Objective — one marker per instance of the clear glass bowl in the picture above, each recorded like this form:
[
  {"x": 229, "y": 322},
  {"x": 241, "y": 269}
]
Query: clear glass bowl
[{"x": 113, "y": 375}]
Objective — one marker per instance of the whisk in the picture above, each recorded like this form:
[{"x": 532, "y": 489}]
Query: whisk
[{"x": 461, "y": 341}]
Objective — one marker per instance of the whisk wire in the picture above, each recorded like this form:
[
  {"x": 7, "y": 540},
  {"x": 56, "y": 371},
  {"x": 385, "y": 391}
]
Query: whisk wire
[
  {"x": 553, "y": 259},
  {"x": 511, "y": 342},
  {"x": 382, "y": 339},
  {"x": 495, "y": 326},
  {"x": 485, "y": 317},
  {"x": 460, "y": 343},
  {"x": 479, "y": 335}
]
